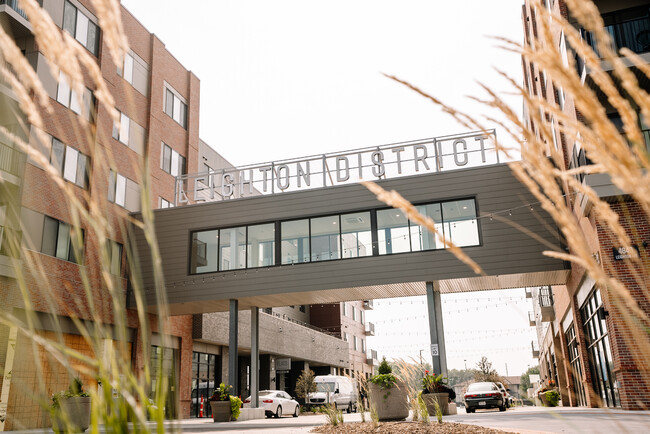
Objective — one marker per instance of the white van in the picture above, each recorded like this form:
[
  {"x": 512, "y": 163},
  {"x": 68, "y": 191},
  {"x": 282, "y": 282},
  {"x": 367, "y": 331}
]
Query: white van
[{"x": 334, "y": 389}]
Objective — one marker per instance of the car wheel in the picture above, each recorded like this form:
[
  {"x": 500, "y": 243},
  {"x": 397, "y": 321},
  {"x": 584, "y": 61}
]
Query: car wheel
[
  {"x": 296, "y": 412},
  {"x": 502, "y": 408},
  {"x": 278, "y": 412},
  {"x": 469, "y": 410},
  {"x": 349, "y": 409}
]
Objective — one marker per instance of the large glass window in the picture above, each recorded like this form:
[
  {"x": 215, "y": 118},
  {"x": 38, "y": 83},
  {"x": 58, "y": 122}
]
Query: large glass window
[
  {"x": 295, "y": 241},
  {"x": 576, "y": 367},
  {"x": 325, "y": 238},
  {"x": 232, "y": 248},
  {"x": 203, "y": 258},
  {"x": 460, "y": 222},
  {"x": 57, "y": 241},
  {"x": 421, "y": 237},
  {"x": 356, "y": 235},
  {"x": 261, "y": 245},
  {"x": 393, "y": 231},
  {"x": 81, "y": 28}
]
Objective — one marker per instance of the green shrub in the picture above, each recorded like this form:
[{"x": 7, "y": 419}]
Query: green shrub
[
  {"x": 553, "y": 397},
  {"x": 384, "y": 367},
  {"x": 235, "y": 406}
]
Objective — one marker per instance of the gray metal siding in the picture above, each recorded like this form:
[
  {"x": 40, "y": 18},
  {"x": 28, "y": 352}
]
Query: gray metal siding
[{"x": 504, "y": 249}]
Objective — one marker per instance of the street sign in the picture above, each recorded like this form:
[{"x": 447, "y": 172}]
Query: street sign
[{"x": 434, "y": 350}]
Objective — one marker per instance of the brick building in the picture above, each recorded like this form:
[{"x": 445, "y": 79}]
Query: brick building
[
  {"x": 158, "y": 101},
  {"x": 585, "y": 346}
]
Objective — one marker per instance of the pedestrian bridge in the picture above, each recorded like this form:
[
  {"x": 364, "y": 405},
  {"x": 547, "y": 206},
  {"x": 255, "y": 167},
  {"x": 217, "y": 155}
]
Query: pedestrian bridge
[{"x": 339, "y": 243}]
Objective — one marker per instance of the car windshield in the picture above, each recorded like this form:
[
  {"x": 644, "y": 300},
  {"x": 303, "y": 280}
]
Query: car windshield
[
  {"x": 265, "y": 393},
  {"x": 480, "y": 387},
  {"x": 325, "y": 387}
]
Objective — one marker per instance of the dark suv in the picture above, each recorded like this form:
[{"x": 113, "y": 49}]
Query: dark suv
[{"x": 484, "y": 395}]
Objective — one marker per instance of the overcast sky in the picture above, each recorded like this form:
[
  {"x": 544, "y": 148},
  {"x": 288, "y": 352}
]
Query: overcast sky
[{"x": 285, "y": 79}]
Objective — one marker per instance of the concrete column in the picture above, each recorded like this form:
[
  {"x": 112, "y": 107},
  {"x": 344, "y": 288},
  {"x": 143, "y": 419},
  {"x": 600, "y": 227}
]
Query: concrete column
[
  {"x": 255, "y": 356},
  {"x": 6, "y": 383},
  {"x": 233, "y": 360},
  {"x": 436, "y": 330}
]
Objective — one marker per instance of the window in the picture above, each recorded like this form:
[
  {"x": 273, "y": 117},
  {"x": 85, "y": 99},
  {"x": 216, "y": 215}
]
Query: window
[
  {"x": 303, "y": 308},
  {"x": 325, "y": 238},
  {"x": 393, "y": 231},
  {"x": 69, "y": 98},
  {"x": 356, "y": 235},
  {"x": 232, "y": 248},
  {"x": 175, "y": 107},
  {"x": 114, "y": 255},
  {"x": 81, "y": 28},
  {"x": 72, "y": 164},
  {"x": 354, "y": 313},
  {"x": 345, "y": 337},
  {"x": 459, "y": 218},
  {"x": 356, "y": 343},
  {"x": 165, "y": 203},
  {"x": 204, "y": 251},
  {"x": 171, "y": 161},
  {"x": 124, "y": 192},
  {"x": 422, "y": 238},
  {"x": 58, "y": 241},
  {"x": 363, "y": 345},
  {"x": 345, "y": 309},
  {"x": 121, "y": 131},
  {"x": 295, "y": 241},
  {"x": 130, "y": 134},
  {"x": 261, "y": 245}
]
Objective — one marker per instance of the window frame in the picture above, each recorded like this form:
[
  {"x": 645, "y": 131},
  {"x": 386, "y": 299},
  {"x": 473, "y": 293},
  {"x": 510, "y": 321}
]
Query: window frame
[
  {"x": 70, "y": 255},
  {"x": 94, "y": 50},
  {"x": 63, "y": 165}
]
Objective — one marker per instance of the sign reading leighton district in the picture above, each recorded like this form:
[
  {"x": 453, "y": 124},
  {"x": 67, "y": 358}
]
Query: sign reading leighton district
[{"x": 382, "y": 162}]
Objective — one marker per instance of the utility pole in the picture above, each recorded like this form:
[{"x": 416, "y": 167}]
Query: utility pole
[
  {"x": 506, "y": 369},
  {"x": 421, "y": 357},
  {"x": 465, "y": 364}
]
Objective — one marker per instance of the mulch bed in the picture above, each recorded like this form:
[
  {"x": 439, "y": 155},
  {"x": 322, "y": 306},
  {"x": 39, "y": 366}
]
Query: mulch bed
[{"x": 404, "y": 427}]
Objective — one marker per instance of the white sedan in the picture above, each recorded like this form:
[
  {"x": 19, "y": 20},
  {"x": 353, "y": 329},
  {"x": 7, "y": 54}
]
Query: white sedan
[{"x": 276, "y": 403}]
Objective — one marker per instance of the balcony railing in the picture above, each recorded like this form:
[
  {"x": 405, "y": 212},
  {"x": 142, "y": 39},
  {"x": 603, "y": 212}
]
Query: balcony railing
[
  {"x": 301, "y": 323},
  {"x": 529, "y": 293},
  {"x": 368, "y": 304},
  {"x": 11, "y": 160},
  {"x": 370, "y": 329},
  {"x": 371, "y": 357},
  {"x": 531, "y": 319},
  {"x": 13, "y": 4},
  {"x": 546, "y": 303},
  {"x": 633, "y": 34},
  {"x": 534, "y": 350}
]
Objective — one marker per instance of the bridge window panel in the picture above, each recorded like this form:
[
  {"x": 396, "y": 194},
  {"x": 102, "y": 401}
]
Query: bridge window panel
[
  {"x": 459, "y": 218},
  {"x": 325, "y": 238},
  {"x": 204, "y": 255},
  {"x": 232, "y": 248},
  {"x": 356, "y": 235},
  {"x": 421, "y": 237},
  {"x": 261, "y": 245},
  {"x": 392, "y": 232},
  {"x": 295, "y": 241}
]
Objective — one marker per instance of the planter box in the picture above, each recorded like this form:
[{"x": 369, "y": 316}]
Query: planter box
[
  {"x": 220, "y": 411},
  {"x": 390, "y": 404},
  {"x": 441, "y": 398},
  {"x": 77, "y": 415}
]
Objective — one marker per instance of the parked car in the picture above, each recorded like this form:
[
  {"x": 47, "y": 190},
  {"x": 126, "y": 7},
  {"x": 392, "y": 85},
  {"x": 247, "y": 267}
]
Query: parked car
[
  {"x": 335, "y": 389},
  {"x": 276, "y": 403},
  {"x": 484, "y": 395},
  {"x": 505, "y": 392}
]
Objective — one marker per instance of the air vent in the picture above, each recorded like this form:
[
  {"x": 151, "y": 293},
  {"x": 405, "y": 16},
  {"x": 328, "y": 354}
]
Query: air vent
[{"x": 354, "y": 220}]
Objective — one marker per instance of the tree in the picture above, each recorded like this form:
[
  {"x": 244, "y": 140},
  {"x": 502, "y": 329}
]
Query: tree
[
  {"x": 305, "y": 384},
  {"x": 525, "y": 378},
  {"x": 458, "y": 376},
  {"x": 485, "y": 371}
]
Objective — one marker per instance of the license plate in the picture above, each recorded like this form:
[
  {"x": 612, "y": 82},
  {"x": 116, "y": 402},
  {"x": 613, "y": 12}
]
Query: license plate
[{"x": 481, "y": 403}]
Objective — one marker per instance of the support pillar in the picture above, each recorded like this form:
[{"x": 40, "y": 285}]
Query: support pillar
[
  {"x": 6, "y": 381},
  {"x": 255, "y": 356},
  {"x": 436, "y": 331},
  {"x": 233, "y": 360}
]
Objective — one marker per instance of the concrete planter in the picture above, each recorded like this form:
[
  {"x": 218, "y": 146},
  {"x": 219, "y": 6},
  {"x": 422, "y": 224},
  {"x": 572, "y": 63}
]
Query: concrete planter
[
  {"x": 391, "y": 403},
  {"x": 77, "y": 415},
  {"x": 221, "y": 411},
  {"x": 441, "y": 398}
]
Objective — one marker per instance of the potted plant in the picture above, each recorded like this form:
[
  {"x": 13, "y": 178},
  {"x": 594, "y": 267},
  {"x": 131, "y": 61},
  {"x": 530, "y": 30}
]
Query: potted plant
[
  {"x": 548, "y": 395},
  {"x": 70, "y": 410},
  {"x": 388, "y": 394},
  {"x": 225, "y": 407},
  {"x": 434, "y": 388}
]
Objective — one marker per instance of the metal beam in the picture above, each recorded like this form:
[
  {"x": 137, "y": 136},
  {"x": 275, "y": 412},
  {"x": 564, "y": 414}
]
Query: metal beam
[
  {"x": 233, "y": 362},
  {"x": 255, "y": 356},
  {"x": 436, "y": 331}
]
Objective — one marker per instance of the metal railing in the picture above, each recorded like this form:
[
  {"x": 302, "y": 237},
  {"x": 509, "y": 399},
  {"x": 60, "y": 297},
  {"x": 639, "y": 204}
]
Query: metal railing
[
  {"x": 633, "y": 34},
  {"x": 370, "y": 329},
  {"x": 11, "y": 160},
  {"x": 13, "y": 4},
  {"x": 301, "y": 323},
  {"x": 371, "y": 356},
  {"x": 531, "y": 318},
  {"x": 545, "y": 296},
  {"x": 368, "y": 304}
]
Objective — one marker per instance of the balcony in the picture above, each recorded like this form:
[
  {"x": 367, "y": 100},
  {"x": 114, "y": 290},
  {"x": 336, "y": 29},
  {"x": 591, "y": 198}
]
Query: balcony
[
  {"x": 13, "y": 4},
  {"x": 370, "y": 329},
  {"x": 12, "y": 161},
  {"x": 368, "y": 305},
  {"x": 546, "y": 304},
  {"x": 535, "y": 350},
  {"x": 529, "y": 293},
  {"x": 531, "y": 319},
  {"x": 626, "y": 30},
  {"x": 371, "y": 358},
  {"x": 18, "y": 21}
]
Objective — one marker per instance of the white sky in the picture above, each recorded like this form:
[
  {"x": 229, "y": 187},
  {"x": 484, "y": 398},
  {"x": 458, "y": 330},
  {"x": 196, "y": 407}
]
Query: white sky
[{"x": 285, "y": 79}]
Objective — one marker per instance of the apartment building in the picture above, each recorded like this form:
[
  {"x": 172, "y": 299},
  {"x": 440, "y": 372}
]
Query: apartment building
[
  {"x": 585, "y": 346},
  {"x": 158, "y": 103}
]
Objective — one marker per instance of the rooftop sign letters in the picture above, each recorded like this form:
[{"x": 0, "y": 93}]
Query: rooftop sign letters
[{"x": 382, "y": 162}]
